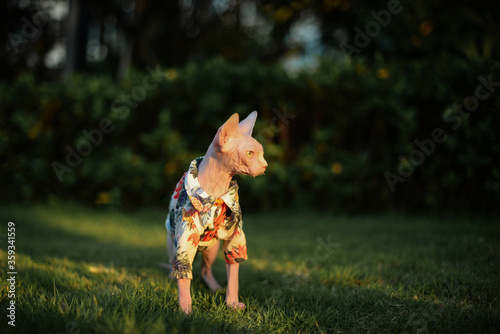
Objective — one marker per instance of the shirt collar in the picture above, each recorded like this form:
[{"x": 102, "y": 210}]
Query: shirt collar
[{"x": 202, "y": 201}]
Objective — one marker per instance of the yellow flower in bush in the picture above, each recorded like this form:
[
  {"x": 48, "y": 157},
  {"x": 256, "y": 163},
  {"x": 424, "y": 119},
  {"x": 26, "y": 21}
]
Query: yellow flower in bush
[
  {"x": 171, "y": 74},
  {"x": 283, "y": 14},
  {"x": 336, "y": 168},
  {"x": 426, "y": 28},
  {"x": 382, "y": 73},
  {"x": 102, "y": 198}
]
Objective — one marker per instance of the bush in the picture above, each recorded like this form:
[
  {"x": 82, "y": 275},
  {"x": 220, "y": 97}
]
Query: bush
[{"x": 331, "y": 135}]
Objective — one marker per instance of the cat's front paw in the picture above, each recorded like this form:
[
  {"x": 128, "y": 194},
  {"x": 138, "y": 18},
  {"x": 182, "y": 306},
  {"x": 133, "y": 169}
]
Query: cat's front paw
[
  {"x": 235, "y": 305},
  {"x": 185, "y": 304}
]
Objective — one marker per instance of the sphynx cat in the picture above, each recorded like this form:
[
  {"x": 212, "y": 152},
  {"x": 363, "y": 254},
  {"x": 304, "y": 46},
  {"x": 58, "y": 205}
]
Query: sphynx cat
[{"x": 205, "y": 208}]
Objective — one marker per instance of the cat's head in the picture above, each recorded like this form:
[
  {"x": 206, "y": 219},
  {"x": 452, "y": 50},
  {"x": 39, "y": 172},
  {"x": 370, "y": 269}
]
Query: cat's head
[{"x": 239, "y": 151}]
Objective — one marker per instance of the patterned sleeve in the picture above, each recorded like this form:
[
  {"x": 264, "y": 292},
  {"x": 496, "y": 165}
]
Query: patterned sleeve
[
  {"x": 186, "y": 239},
  {"x": 235, "y": 248}
]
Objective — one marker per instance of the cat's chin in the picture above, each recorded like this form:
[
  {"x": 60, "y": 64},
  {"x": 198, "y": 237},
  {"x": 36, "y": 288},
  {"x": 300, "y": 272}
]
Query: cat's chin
[
  {"x": 253, "y": 174},
  {"x": 261, "y": 173},
  {"x": 258, "y": 173}
]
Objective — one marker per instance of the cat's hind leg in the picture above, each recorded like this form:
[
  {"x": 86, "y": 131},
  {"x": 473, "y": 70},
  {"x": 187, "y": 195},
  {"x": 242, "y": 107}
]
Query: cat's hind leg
[{"x": 209, "y": 256}]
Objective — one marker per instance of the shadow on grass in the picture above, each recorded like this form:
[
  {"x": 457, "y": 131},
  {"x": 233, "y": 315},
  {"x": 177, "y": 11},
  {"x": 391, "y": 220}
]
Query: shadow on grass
[{"x": 341, "y": 307}]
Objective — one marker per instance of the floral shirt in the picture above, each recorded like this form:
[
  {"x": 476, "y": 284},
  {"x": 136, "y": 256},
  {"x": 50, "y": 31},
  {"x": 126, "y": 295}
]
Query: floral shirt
[{"x": 197, "y": 220}]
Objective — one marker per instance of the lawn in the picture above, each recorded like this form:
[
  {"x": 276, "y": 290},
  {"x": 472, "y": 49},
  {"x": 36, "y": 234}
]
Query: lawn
[{"x": 82, "y": 270}]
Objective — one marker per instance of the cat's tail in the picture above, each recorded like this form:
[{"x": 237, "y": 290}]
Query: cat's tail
[{"x": 166, "y": 266}]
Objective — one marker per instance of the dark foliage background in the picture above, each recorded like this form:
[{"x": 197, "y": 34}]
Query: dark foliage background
[{"x": 332, "y": 130}]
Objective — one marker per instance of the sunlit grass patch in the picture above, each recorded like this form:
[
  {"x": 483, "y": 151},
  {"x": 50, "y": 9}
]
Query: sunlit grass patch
[{"x": 112, "y": 227}]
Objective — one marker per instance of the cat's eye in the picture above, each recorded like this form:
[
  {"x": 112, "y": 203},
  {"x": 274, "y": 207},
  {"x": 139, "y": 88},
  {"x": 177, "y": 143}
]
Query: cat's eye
[{"x": 249, "y": 154}]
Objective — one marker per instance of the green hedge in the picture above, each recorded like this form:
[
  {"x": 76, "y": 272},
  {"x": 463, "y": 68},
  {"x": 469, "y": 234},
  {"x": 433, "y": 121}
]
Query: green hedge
[{"x": 332, "y": 136}]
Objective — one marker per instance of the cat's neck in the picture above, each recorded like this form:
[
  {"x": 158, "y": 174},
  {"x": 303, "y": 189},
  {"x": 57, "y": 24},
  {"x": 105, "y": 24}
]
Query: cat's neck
[{"x": 214, "y": 175}]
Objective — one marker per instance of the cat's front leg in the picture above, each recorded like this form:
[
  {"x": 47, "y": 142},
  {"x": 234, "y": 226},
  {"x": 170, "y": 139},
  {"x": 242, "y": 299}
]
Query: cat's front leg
[
  {"x": 232, "y": 286},
  {"x": 185, "y": 294}
]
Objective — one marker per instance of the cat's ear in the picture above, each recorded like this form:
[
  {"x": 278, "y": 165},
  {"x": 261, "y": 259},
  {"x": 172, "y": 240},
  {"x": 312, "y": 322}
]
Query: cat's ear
[
  {"x": 228, "y": 130},
  {"x": 246, "y": 125}
]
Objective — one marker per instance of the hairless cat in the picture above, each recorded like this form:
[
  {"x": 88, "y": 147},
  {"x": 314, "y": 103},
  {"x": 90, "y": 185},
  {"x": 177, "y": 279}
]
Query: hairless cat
[{"x": 205, "y": 209}]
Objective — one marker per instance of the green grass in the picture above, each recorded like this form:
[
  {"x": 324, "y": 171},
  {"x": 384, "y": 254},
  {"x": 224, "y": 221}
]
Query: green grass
[{"x": 96, "y": 271}]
